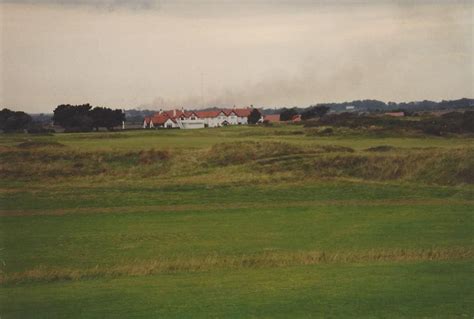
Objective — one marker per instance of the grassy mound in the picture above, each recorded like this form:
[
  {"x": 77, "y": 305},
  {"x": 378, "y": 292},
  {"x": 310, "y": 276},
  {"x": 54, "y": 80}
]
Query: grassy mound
[
  {"x": 243, "y": 152},
  {"x": 260, "y": 159},
  {"x": 430, "y": 166},
  {"x": 53, "y": 163}
]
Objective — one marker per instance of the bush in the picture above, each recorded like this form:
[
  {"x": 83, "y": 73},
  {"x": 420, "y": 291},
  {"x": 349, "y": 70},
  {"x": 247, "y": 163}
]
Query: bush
[
  {"x": 381, "y": 148},
  {"x": 39, "y": 129}
]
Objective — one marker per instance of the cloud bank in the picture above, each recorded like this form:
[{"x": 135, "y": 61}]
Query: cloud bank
[{"x": 266, "y": 53}]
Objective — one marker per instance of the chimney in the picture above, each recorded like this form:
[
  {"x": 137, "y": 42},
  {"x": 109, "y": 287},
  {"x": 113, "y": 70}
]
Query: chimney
[
  {"x": 174, "y": 112},
  {"x": 161, "y": 111}
]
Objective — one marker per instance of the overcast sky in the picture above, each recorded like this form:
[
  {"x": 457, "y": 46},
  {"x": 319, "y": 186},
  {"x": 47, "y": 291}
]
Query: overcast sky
[{"x": 152, "y": 54}]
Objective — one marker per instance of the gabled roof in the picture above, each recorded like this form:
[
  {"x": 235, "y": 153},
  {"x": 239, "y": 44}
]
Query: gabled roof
[
  {"x": 160, "y": 119},
  {"x": 190, "y": 113},
  {"x": 272, "y": 118},
  {"x": 204, "y": 114},
  {"x": 172, "y": 114},
  {"x": 242, "y": 112}
]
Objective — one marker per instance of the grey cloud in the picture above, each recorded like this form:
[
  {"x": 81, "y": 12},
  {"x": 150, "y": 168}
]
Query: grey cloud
[
  {"x": 107, "y": 4},
  {"x": 206, "y": 4},
  {"x": 274, "y": 57}
]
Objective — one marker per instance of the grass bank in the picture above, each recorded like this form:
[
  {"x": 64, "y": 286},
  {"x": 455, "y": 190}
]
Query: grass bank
[{"x": 236, "y": 222}]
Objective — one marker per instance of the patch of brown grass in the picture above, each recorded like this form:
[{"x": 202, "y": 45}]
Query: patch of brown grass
[
  {"x": 152, "y": 156},
  {"x": 39, "y": 144},
  {"x": 267, "y": 259}
]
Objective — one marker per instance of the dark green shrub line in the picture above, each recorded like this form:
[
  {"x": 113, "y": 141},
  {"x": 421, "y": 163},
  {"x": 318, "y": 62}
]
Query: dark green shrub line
[{"x": 453, "y": 122}]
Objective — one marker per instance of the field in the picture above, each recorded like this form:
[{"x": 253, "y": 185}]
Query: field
[{"x": 270, "y": 222}]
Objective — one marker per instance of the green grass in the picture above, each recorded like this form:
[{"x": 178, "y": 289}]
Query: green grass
[
  {"x": 100, "y": 228},
  {"x": 414, "y": 290},
  {"x": 186, "y": 139}
]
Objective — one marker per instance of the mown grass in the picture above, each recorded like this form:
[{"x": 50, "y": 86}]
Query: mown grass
[
  {"x": 387, "y": 290},
  {"x": 235, "y": 222}
]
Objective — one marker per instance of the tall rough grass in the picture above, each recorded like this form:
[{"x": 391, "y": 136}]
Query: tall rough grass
[
  {"x": 245, "y": 152},
  {"x": 46, "y": 162},
  {"x": 384, "y": 163},
  {"x": 429, "y": 166},
  {"x": 263, "y": 260}
]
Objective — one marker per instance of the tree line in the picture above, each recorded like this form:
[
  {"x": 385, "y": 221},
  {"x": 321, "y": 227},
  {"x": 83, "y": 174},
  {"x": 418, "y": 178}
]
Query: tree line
[
  {"x": 311, "y": 112},
  {"x": 14, "y": 121},
  {"x": 73, "y": 118},
  {"x": 415, "y": 106},
  {"x": 85, "y": 118},
  {"x": 371, "y": 106}
]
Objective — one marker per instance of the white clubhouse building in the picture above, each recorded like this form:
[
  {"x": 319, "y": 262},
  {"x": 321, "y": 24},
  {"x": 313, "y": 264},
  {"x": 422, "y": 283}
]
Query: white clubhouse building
[{"x": 197, "y": 119}]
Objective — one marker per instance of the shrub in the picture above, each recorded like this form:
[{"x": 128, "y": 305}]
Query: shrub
[
  {"x": 36, "y": 144},
  {"x": 453, "y": 122},
  {"x": 381, "y": 148}
]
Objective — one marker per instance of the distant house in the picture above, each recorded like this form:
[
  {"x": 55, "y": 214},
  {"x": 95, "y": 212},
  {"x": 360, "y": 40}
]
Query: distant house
[
  {"x": 197, "y": 119},
  {"x": 296, "y": 118},
  {"x": 395, "y": 114},
  {"x": 272, "y": 118},
  {"x": 275, "y": 118},
  {"x": 350, "y": 108}
]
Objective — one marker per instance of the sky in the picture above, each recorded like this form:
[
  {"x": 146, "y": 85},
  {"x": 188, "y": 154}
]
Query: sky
[{"x": 153, "y": 54}]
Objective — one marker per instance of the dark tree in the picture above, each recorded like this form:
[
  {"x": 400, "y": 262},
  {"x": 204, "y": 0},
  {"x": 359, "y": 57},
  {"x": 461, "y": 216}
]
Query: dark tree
[
  {"x": 105, "y": 117},
  {"x": 11, "y": 121},
  {"x": 254, "y": 116},
  {"x": 83, "y": 118},
  {"x": 321, "y": 110},
  {"x": 73, "y": 117},
  {"x": 314, "y": 111},
  {"x": 288, "y": 114}
]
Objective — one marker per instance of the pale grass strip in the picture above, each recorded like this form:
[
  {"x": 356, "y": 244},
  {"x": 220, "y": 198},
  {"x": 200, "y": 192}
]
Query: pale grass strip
[{"x": 212, "y": 262}]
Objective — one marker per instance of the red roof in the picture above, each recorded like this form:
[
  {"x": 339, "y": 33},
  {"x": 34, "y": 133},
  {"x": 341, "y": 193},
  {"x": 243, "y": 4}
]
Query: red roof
[
  {"x": 174, "y": 113},
  {"x": 242, "y": 112},
  {"x": 203, "y": 114},
  {"x": 160, "y": 119},
  {"x": 272, "y": 118},
  {"x": 395, "y": 114},
  {"x": 239, "y": 112}
]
